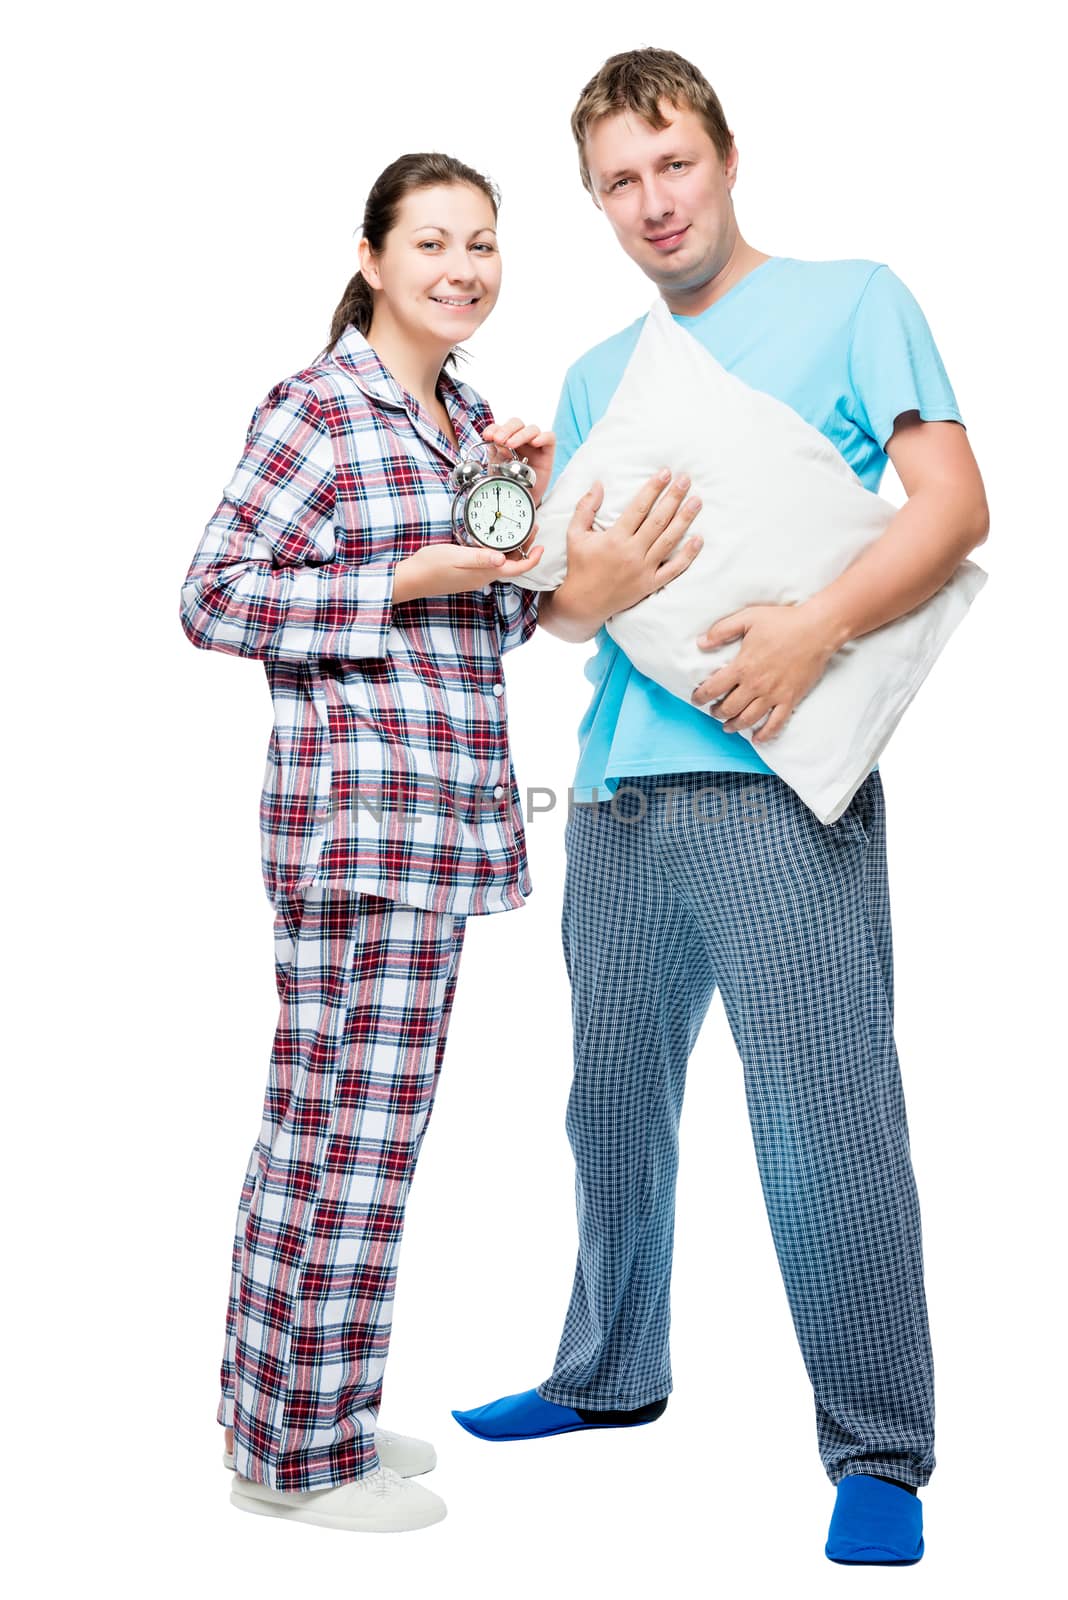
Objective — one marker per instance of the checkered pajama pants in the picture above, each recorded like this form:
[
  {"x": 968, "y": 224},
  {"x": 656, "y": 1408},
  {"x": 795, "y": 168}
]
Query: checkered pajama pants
[
  {"x": 366, "y": 988},
  {"x": 734, "y": 883}
]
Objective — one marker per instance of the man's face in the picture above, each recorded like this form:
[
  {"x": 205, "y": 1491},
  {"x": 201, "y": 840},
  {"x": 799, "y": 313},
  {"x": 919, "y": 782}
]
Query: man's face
[{"x": 666, "y": 193}]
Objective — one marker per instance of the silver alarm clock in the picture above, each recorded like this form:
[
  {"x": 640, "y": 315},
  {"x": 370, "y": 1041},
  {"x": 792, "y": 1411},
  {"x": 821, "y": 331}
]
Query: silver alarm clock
[{"x": 493, "y": 506}]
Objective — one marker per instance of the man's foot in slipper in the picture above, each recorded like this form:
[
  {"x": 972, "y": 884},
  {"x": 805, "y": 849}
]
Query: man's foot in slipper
[
  {"x": 875, "y": 1523},
  {"x": 528, "y": 1416}
]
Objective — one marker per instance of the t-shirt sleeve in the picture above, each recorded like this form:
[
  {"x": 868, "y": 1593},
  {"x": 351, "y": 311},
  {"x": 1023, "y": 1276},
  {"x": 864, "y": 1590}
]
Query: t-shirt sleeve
[
  {"x": 894, "y": 364},
  {"x": 571, "y": 423}
]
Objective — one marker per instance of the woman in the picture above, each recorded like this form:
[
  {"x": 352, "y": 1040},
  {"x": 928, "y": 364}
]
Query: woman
[{"x": 390, "y": 813}]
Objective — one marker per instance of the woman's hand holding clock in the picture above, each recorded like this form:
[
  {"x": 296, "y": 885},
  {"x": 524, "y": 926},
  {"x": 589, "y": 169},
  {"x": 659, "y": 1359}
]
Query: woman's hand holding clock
[
  {"x": 527, "y": 440},
  {"x": 448, "y": 568}
]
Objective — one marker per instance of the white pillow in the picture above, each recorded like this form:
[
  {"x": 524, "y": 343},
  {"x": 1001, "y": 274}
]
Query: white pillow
[{"x": 783, "y": 514}]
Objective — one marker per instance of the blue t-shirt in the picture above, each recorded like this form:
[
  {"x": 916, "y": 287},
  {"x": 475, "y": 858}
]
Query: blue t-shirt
[{"x": 842, "y": 342}]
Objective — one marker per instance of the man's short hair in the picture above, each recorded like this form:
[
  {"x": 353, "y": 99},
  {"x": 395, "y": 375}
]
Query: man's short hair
[{"x": 636, "y": 80}]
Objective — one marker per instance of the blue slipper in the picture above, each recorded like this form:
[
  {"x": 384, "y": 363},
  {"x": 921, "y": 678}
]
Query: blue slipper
[
  {"x": 528, "y": 1416},
  {"x": 875, "y": 1523}
]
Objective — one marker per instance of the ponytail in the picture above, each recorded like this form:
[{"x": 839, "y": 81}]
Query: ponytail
[{"x": 356, "y": 306}]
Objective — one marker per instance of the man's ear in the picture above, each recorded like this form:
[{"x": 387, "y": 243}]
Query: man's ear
[{"x": 730, "y": 166}]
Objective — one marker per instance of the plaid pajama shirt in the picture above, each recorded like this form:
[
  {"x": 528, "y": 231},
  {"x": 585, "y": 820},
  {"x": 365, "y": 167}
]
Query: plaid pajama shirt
[
  {"x": 389, "y": 813},
  {"x": 388, "y": 769}
]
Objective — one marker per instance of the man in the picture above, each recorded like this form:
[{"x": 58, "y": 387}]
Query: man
[{"x": 789, "y": 918}]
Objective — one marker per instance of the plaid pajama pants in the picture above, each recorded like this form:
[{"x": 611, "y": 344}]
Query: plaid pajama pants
[
  {"x": 366, "y": 988},
  {"x": 691, "y": 882}
]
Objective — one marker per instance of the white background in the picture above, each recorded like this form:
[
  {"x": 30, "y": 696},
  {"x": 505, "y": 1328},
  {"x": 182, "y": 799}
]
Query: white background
[{"x": 186, "y": 186}]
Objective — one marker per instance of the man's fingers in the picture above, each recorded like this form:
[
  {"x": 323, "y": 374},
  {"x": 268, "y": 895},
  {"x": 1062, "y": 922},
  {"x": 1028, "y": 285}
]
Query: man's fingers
[
  {"x": 666, "y": 542},
  {"x": 745, "y": 718},
  {"x": 586, "y": 508},
  {"x": 773, "y": 725},
  {"x": 639, "y": 508},
  {"x": 669, "y": 516},
  {"x": 718, "y": 684},
  {"x": 678, "y": 563}
]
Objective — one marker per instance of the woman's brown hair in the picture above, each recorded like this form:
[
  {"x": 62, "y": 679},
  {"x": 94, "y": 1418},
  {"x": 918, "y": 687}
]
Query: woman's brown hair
[
  {"x": 423, "y": 170},
  {"x": 637, "y": 80}
]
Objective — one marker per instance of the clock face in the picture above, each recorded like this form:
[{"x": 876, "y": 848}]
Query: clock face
[{"x": 499, "y": 514}]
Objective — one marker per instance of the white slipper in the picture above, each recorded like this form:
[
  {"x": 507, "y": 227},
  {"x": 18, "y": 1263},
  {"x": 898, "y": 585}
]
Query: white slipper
[
  {"x": 379, "y": 1502},
  {"x": 407, "y": 1457}
]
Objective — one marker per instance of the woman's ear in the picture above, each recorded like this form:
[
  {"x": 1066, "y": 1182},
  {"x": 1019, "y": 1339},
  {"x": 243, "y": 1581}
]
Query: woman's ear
[{"x": 367, "y": 264}]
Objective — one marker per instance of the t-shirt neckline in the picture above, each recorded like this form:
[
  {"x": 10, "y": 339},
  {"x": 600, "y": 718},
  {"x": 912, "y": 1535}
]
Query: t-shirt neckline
[{"x": 735, "y": 289}]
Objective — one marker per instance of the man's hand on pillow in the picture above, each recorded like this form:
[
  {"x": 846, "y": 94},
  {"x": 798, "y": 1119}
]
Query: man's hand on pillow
[
  {"x": 527, "y": 440},
  {"x": 784, "y": 652},
  {"x": 638, "y": 553}
]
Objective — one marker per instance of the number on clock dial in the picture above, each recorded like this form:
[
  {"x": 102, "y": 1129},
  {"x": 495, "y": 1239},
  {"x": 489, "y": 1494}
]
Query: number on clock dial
[{"x": 499, "y": 514}]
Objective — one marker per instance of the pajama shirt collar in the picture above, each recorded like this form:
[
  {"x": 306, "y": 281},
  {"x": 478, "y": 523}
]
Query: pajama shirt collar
[{"x": 364, "y": 367}]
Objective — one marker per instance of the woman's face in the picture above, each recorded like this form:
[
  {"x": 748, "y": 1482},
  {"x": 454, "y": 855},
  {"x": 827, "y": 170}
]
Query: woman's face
[{"x": 438, "y": 274}]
